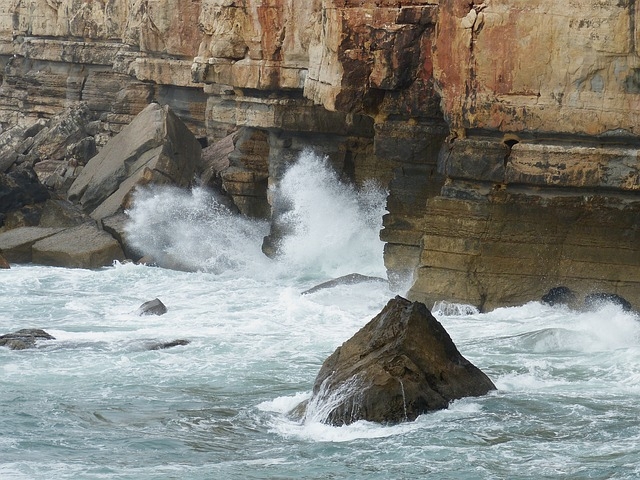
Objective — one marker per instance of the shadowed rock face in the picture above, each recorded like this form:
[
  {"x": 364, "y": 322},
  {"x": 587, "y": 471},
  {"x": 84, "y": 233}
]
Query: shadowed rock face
[{"x": 400, "y": 365}]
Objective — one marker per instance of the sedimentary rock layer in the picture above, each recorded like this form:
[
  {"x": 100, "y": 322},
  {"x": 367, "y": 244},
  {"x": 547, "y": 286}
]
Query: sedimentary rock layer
[{"x": 506, "y": 131}]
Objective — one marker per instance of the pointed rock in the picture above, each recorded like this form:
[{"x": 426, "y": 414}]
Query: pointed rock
[
  {"x": 156, "y": 147},
  {"x": 400, "y": 365}
]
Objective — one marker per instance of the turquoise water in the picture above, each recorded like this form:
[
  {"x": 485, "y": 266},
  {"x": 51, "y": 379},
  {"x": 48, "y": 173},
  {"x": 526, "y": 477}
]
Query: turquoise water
[{"x": 95, "y": 403}]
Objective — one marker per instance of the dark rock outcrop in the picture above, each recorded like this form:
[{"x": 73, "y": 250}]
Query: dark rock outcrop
[
  {"x": 559, "y": 296},
  {"x": 23, "y": 339},
  {"x": 18, "y": 189},
  {"x": 3, "y": 262},
  {"x": 152, "y": 307},
  {"x": 596, "y": 300},
  {"x": 351, "y": 279},
  {"x": 400, "y": 365},
  {"x": 165, "y": 345}
]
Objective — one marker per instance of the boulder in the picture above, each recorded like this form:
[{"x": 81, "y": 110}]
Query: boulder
[
  {"x": 61, "y": 213},
  {"x": 25, "y": 338},
  {"x": 559, "y": 296},
  {"x": 152, "y": 307},
  {"x": 61, "y": 136},
  {"x": 116, "y": 225},
  {"x": 597, "y": 300},
  {"x": 400, "y": 365},
  {"x": 3, "y": 263},
  {"x": 84, "y": 246},
  {"x": 351, "y": 279},
  {"x": 16, "y": 244},
  {"x": 156, "y": 147}
]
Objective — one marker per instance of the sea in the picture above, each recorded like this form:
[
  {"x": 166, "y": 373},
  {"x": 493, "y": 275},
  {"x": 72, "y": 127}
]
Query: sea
[{"x": 97, "y": 403}]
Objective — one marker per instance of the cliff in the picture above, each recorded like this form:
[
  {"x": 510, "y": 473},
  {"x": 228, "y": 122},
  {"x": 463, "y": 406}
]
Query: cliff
[{"x": 505, "y": 131}]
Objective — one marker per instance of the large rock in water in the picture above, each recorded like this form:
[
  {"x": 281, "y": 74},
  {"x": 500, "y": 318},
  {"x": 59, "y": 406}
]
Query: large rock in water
[
  {"x": 400, "y": 365},
  {"x": 156, "y": 147}
]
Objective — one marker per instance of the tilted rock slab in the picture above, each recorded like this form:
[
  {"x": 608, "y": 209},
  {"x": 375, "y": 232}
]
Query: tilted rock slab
[
  {"x": 400, "y": 365},
  {"x": 156, "y": 147}
]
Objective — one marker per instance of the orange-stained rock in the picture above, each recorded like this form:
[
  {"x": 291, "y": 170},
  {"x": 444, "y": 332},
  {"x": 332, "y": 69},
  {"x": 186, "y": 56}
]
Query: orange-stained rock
[
  {"x": 478, "y": 116},
  {"x": 541, "y": 66}
]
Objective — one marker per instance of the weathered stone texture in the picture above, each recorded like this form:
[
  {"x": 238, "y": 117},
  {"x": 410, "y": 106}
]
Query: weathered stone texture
[
  {"x": 480, "y": 117},
  {"x": 155, "y": 148},
  {"x": 398, "y": 366},
  {"x": 84, "y": 246},
  {"x": 541, "y": 66}
]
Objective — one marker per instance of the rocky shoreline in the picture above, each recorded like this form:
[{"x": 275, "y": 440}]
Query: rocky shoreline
[{"x": 505, "y": 133}]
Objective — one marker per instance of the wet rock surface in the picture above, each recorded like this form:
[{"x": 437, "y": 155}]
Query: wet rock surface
[
  {"x": 351, "y": 279},
  {"x": 23, "y": 339},
  {"x": 165, "y": 345},
  {"x": 400, "y": 365},
  {"x": 152, "y": 307},
  {"x": 597, "y": 300}
]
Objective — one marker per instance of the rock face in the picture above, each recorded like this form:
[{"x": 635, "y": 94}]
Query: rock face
[
  {"x": 506, "y": 131},
  {"x": 400, "y": 365},
  {"x": 84, "y": 246}
]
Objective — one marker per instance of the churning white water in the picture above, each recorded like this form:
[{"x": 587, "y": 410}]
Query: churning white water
[{"x": 97, "y": 403}]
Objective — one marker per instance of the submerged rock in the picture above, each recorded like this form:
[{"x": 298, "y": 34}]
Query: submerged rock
[
  {"x": 165, "y": 345},
  {"x": 351, "y": 279},
  {"x": 400, "y": 365},
  {"x": 596, "y": 300},
  {"x": 152, "y": 307},
  {"x": 23, "y": 339}
]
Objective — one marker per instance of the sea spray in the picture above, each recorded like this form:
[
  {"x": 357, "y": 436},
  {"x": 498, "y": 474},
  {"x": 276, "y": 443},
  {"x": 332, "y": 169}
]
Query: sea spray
[
  {"x": 98, "y": 405},
  {"x": 192, "y": 230},
  {"x": 334, "y": 227}
]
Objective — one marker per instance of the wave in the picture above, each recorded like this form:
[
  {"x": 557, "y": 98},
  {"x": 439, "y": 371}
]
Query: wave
[{"x": 333, "y": 227}]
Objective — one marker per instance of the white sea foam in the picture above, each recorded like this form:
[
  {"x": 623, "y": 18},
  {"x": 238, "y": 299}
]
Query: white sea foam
[
  {"x": 193, "y": 230},
  {"x": 335, "y": 228},
  {"x": 96, "y": 404}
]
